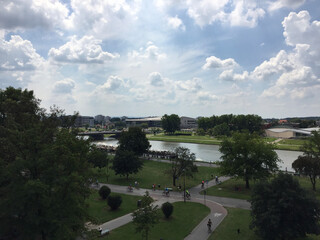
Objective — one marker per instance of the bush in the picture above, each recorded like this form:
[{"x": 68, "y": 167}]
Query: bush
[
  {"x": 104, "y": 192},
  {"x": 114, "y": 202},
  {"x": 167, "y": 209}
]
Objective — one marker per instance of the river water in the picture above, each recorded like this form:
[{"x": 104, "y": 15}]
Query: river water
[{"x": 207, "y": 153}]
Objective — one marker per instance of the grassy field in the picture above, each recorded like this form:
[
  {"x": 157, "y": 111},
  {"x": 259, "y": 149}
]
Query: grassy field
[
  {"x": 227, "y": 188},
  {"x": 239, "y": 218},
  {"x": 155, "y": 172},
  {"x": 185, "y": 139},
  {"x": 100, "y": 212},
  {"x": 179, "y": 225}
]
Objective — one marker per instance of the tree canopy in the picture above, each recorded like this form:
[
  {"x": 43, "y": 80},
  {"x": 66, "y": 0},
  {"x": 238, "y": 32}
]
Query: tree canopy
[
  {"x": 281, "y": 209},
  {"x": 170, "y": 123},
  {"x": 44, "y": 176},
  {"x": 182, "y": 163},
  {"x": 247, "y": 155},
  {"x": 126, "y": 163},
  {"x": 134, "y": 140}
]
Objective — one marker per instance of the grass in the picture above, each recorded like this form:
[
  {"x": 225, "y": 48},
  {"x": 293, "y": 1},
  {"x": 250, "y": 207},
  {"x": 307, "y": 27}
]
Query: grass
[
  {"x": 155, "y": 172},
  {"x": 293, "y": 141},
  {"x": 227, "y": 188},
  {"x": 185, "y": 139},
  {"x": 240, "y": 218},
  {"x": 179, "y": 225},
  {"x": 100, "y": 211}
]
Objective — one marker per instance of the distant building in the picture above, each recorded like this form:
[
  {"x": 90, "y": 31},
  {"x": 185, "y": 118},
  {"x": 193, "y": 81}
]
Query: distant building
[
  {"x": 151, "y": 121},
  {"x": 188, "y": 123},
  {"x": 100, "y": 119},
  {"x": 290, "y": 132},
  {"x": 82, "y": 121}
]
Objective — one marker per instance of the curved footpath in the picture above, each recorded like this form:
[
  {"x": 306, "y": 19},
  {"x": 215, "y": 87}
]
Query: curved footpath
[{"x": 200, "y": 232}]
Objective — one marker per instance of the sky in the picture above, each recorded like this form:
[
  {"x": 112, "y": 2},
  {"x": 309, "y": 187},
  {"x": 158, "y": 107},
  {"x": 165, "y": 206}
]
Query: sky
[{"x": 154, "y": 57}]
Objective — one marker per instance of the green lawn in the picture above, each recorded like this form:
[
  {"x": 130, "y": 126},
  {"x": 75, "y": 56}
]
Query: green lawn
[
  {"x": 155, "y": 172},
  {"x": 227, "y": 188},
  {"x": 293, "y": 141},
  {"x": 239, "y": 218},
  {"x": 185, "y": 217},
  {"x": 100, "y": 211},
  {"x": 186, "y": 139}
]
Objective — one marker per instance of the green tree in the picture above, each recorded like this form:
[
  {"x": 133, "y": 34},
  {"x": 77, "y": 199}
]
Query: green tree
[
  {"x": 170, "y": 123},
  {"x": 308, "y": 166},
  {"x": 126, "y": 162},
  {"x": 221, "y": 130},
  {"x": 182, "y": 163},
  {"x": 248, "y": 156},
  {"x": 146, "y": 216},
  {"x": 281, "y": 209},
  {"x": 312, "y": 146},
  {"x": 134, "y": 140},
  {"x": 44, "y": 173},
  {"x": 167, "y": 209},
  {"x": 98, "y": 157}
]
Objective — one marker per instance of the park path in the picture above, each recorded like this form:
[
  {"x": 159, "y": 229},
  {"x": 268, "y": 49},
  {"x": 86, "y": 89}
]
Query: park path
[{"x": 200, "y": 232}]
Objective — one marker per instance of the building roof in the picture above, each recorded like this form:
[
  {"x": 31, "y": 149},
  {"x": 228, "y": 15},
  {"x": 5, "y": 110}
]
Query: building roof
[
  {"x": 143, "y": 119},
  {"x": 281, "y": 130}
]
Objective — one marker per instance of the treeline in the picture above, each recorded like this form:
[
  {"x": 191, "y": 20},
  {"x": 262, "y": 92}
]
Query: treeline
[{"x": 225, "y": 124}]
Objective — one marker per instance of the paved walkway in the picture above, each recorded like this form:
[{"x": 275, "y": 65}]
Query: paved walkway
[{"x": 200, "y": 232}]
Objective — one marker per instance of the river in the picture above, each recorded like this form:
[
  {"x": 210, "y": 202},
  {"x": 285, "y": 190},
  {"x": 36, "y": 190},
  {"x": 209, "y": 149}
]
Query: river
[{"x": 207, "y": 153}]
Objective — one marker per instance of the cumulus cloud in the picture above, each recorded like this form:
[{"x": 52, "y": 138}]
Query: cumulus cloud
[
  {"x": 229, "y": 75},
  {"x": 193, "y": 85},
  {"x": 176, "y": 23},
  {"x": 151, "y": 52},
  {"x": 21, "y": 14},
  {"x": 156, "y": 79},
  {"x": 215, "y": 62},
  {"x": 64, "y": 86},
  {"x": 85, "y": 50},
  {"x": 204, "y": 96},
  {"x": 112, "y": 84},
  {"x": 18, "y": 55},
  {"x": 293, "y": 4}
]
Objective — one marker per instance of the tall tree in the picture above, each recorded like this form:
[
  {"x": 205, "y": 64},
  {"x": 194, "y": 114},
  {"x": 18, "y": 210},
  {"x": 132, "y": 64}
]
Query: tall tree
[
  {"x": 126, "y": 163},
  {"x": 170, "y": 123},
  {"x": 248, "y": 156},
  {"x": 146, "y": 216},
  {"x": 182, "y": 163},
  {"x": 134, "y": 140},
  {"x": 281, "y": 209},
  {"x": 44, "y": 176}
]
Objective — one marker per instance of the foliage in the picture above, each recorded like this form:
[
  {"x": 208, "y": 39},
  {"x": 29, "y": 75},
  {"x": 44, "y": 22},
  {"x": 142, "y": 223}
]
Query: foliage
[
  {"x": 221, "y": 130},
  {"x": 145, "y": 217},
  {"x": 98, "y": 157},
  {"x": 182, "y": 163},
  {"x": 126, "y": 162},
  {"x": 104, "y": 192},
  {"x": 167, "y": 209},
  {"x": 114, "y": 202},
  {"x": 170, "y": 123},
  {"x": 134, "y": 140},
  {"x": 248, "y": 156},
  {"x": 308, "y": 166},
  {"x": 251, "y": 123},
  {"x": 201, "y": 132},
  {"x": 281, "y": 209},
  {"x": 44, "y": 173}
]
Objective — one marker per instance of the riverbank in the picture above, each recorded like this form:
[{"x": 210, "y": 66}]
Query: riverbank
[{"x": 283, "y": 144}]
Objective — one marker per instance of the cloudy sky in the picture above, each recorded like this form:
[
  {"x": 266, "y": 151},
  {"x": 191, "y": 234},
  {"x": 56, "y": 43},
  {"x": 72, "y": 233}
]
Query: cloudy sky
[{"x": 151, "y": 57}]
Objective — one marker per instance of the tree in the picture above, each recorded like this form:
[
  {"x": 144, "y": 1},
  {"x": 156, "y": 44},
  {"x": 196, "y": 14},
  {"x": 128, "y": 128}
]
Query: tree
[
  {"x": 146, "y": 216},
  {"x": 182, "y": 162},
  {"x": 98, "y": 157},
  {"x": 104, "y": 192},
  {"x": 134, "y": 140},
  {"x": 44, "y": 173},
  {"x": 221, "y": 130},
  {"x": 167, "y": 209},
  {"x": 312, "y": 146},
  {"x": 281, "y": 209},
  {"x": 308, "y": 166},
  {"x": 170, "y": 123},
  {"x": 126, "y": 162},
  {"x": 248, "y": 156},
  {"x": 114, "y": 202}
]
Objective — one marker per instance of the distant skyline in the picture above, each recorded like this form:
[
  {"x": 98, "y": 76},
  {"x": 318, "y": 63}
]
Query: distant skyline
[{"x": 155, "y": 57}]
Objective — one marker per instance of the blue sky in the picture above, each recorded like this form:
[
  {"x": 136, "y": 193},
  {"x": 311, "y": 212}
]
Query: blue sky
[{"x": 151, "y": 57}]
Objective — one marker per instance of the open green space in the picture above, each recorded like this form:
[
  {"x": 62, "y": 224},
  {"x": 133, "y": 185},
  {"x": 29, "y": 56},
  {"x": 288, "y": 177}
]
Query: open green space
[
  {"x": 228, "y": 188},
  {"x": 293, "y": 141},
  {"x": 185, "y": 217},
  {"x": 185, "y": 139},
  {"x": 100, "y": 212},
  {"x": 154, "y": 172},
  {"x": 240, "y": 218}
]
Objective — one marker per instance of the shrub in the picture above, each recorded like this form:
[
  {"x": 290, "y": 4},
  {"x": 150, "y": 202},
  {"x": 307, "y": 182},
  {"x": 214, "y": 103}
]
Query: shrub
[
  {"x": 114, "y": 202},
  {"x": 167, "y": 209},
  {"x": 104, "y": 192}
]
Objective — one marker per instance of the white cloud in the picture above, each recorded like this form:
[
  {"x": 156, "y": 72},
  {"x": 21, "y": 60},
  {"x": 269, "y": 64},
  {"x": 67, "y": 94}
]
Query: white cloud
[
  {"x": 112, "y": 84},
  {"x": 214, "y": 62},
  {"x": 150, "y": 52},
  {"x": 206, "y": 97},
  {"x": 18, "y": 55},
  {"x": 176, "y": 23},
  {"x": 293, "y": 4},
  {"x": 229, "y": 75},
  {"x": 85, "y": 50},
  {"x": 64, "y": 86},
  {"x": 193, "y": 85},
  {"x": 156, "y": 79},
  {"x": 22, "y": 14}
]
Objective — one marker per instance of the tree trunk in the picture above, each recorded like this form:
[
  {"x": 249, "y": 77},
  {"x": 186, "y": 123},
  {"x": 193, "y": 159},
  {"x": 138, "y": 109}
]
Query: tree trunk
[
  {"x": 247, "y": 182},
  {"x": 313, "y": 182},
  {"x": 174, "y": 180},
  {"x": 127, "y": 176}
]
